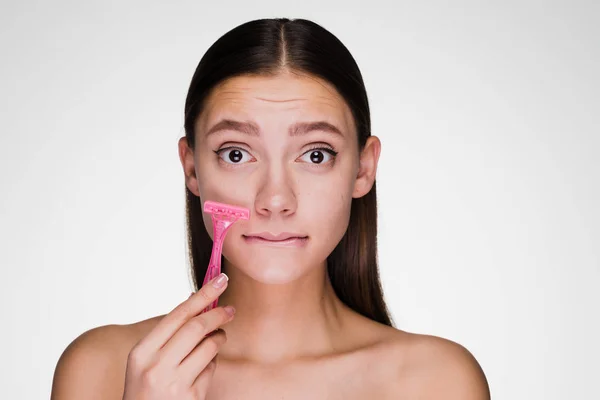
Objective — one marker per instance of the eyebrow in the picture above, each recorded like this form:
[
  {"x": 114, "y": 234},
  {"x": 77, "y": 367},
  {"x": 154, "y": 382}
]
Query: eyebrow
[{"x": 297, "y": 129}]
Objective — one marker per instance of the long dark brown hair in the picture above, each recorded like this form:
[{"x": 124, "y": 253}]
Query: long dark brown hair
[{"x": 265, "y": 47}]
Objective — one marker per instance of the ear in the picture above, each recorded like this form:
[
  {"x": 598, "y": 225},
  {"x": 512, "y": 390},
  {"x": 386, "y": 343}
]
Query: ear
[
  {"x": 186, "y": 155},
  {"x": 369, "y": 157}
]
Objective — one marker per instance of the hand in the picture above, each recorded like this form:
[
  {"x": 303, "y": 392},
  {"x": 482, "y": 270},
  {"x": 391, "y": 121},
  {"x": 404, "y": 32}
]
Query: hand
[{"x": 177, "y": 359}]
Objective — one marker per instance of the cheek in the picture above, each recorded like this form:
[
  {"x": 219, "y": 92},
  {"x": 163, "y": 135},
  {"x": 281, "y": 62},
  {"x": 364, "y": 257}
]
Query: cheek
[
  {"x": 327, "y": 209},
  {"x": 223, "y": 188}
]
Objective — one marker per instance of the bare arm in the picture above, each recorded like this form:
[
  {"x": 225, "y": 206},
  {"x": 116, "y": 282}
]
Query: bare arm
[
  {"x": 92, "y": 367},
  {"x": 459, "y": 375},
  {"x": 175, "y": 360},
  {"x": 437, "y": 368}
]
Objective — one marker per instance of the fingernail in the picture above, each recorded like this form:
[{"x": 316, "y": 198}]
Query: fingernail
[
  {"x": 230, "y": 310},
  {"x": 220, "y": 280}
]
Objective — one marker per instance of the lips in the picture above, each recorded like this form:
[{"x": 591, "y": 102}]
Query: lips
[
  {"x": 281, "y": 237},
  {"x": 282, "y": 240}
]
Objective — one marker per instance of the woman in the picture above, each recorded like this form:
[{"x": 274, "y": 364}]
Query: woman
[{"x": 277, "y": 120}]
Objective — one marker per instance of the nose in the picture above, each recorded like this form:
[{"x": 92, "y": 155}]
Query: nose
[{"x": 276, "y": 197}]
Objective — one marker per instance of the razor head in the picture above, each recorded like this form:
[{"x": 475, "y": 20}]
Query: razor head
[{"x": 226, "y": 210}]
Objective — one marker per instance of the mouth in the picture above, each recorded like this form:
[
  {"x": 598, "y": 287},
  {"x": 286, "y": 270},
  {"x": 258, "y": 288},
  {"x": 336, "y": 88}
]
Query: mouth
[{"x": 282, "y": 239}]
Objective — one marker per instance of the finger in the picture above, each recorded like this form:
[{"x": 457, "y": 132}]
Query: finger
[
  {"x": 201, "y": 385},
  {"x": 191, "y": 333},
  {"x": 174, "y": 320},
  {"x": 203, "y": 357}
]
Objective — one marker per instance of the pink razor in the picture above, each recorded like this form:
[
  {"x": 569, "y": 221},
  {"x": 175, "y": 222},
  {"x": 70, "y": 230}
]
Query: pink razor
[{"x": 223, "y": 216}]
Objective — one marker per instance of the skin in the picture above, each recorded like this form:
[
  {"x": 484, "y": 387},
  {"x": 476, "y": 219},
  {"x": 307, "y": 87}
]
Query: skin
[
  {"x": 291, "y": 336},
  {"x": 286, "y": 306}
]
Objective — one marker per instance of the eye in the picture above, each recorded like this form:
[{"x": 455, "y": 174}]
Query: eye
[
  {"x": 233, "y": 155},
  {"x": 319, "y": 155}
]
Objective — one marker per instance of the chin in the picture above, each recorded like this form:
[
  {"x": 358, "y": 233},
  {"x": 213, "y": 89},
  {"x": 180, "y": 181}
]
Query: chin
[
  {"x": 273, "y": 265},
  {"x": 273, "y": 275}
]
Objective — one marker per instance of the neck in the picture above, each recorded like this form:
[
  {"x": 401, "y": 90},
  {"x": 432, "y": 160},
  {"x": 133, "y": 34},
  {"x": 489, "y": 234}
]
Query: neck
[{"x": 283, "y": 322}]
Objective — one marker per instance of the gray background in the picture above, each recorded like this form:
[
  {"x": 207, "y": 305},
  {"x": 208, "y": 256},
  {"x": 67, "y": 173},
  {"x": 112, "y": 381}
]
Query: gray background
[{"x": 488, "y": 181}]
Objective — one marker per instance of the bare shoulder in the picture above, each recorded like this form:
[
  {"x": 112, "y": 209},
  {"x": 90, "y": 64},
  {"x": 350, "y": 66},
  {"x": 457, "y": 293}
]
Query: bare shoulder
[
  {"x": 93, "y": 365},
  {"x": 431, "y": 367}
]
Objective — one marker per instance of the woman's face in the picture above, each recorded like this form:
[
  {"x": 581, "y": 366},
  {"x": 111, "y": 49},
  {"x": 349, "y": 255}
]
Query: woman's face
[{"x": 286, "y": 148}]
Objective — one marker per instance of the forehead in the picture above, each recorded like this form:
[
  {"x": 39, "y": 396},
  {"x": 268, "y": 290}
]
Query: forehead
[{"x": 287, "y": 97}]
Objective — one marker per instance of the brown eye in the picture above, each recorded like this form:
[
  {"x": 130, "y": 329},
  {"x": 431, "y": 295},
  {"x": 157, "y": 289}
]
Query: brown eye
[
  {"x": 233, "y": 155},
  {"x": 319, "y": 156}
]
